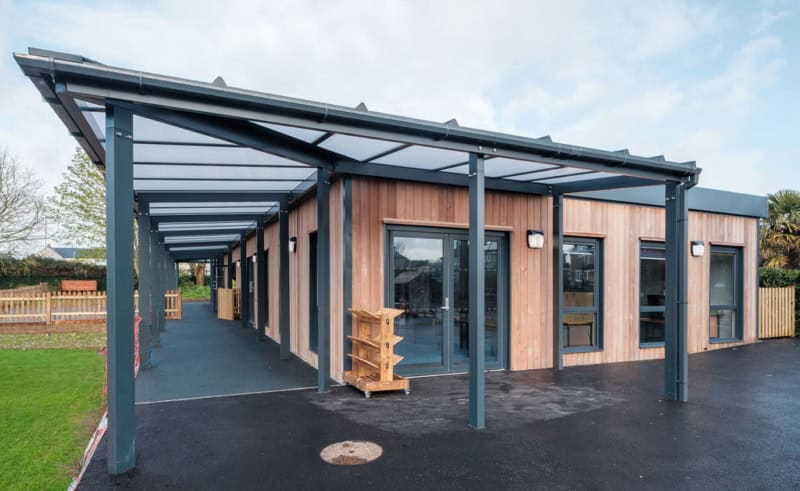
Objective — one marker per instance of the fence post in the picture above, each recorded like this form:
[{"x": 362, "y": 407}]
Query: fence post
[{"x": 47, "y": 309}]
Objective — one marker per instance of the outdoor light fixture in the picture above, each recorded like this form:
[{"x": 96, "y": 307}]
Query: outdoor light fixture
[
  {"x": 535, "y": 239},
  {"x": 254, "y": 258},
  {"x": 698, "y": 248},
  {"x": 293, "y": 244}
]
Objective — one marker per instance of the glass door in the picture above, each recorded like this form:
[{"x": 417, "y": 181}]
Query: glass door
[
  {"x": 493, "y": 315},
  {"x": 417, "y": 287},
  {"x": 251, "y": 291},
  {"x": 428, "y": 278}
]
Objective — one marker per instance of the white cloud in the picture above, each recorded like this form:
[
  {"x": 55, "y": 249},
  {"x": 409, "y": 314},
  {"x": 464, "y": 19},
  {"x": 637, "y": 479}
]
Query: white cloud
[{"x": 599, "y": 75}]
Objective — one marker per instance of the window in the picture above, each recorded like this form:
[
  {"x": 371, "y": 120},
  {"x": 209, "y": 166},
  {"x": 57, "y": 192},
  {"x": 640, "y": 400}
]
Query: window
[
  {"x": 581, "y": 295},
  {"x": 652, "y": 289},
  {"x": 725, "y": 291}
]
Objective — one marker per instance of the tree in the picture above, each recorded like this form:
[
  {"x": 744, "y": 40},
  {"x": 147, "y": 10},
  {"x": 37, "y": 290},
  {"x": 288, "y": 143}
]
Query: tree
[
  {"x": 199, "y": 270},
  {"x": 79, "y": 204},
  {"x": 780, "y": 231},
  {"x": 21, "y": 204}
]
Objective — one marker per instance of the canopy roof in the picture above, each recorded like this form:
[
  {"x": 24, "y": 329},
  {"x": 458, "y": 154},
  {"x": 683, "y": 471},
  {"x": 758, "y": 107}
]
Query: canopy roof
[{"x": 211, "y": 161}]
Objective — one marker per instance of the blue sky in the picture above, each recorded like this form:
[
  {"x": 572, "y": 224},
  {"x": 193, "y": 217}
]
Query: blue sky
[{"x": 714, "y": 82}]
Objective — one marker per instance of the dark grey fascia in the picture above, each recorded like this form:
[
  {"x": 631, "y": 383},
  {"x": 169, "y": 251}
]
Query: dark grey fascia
[{"x": 700, "y": 199}]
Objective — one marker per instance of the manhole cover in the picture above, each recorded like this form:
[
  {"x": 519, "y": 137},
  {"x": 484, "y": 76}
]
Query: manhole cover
[{"x": 351, "y": 452}]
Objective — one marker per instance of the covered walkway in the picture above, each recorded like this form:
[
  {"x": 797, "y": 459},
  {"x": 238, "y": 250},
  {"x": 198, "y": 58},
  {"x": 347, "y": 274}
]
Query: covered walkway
[{"x": 202, "y": 356}]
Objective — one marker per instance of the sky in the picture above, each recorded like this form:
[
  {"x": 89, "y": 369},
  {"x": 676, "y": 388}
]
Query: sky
[{"x": 711, "y": 82}]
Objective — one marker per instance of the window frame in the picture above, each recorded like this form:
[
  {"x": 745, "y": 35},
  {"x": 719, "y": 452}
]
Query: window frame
[
  {"x": 599, "y": 286},
  {"x": 738, "y": 293},
  {"x": 650, "y": 244}
]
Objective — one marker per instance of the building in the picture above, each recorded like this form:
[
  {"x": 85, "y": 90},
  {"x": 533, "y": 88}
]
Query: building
[
  {"x": 91, "y": 255},
  {"x": 588, "y": 256}
]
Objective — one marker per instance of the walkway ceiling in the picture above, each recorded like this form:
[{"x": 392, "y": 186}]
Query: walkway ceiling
[{"x": 211, "y": 162}]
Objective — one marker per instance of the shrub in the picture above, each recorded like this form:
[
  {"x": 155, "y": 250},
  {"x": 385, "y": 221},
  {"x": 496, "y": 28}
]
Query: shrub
[{"x": 33, "y": 270}]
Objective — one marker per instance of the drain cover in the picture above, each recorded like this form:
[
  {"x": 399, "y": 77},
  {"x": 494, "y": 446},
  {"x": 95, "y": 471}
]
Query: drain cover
[{"x": 351, "y": 452}]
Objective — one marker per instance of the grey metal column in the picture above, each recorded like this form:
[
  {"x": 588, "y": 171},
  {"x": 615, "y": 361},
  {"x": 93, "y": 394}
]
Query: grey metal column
[
  {"x": 121, "y": 437},
  {"x": 675, "y": 311},
  {"x": 155, "y": 269},
  {"x": 212, "y": 283},
  {"x": 477, "y": 293},
  {"x": 230, "y": 269},
  {"x": 323, "y": 280},
  {"x": 244, "y": 293},
  {"x": 347, "y": 270},
  {"x": 558, "y": 280},
  {"x": 283, "y": 284},
  {"x": 145, "y": 286},
  {"x": 261, "y": 278}
]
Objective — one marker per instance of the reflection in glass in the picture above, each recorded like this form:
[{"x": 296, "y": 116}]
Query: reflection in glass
[
  {"x": 418, "y": 275},
  {"x": 651, "y": 327},
  {"x": 580, "y": 294},
  {"x": 461, "y": 300},
  {"x": 722, "y": 321},
  {"x": 652, "y": 290}
]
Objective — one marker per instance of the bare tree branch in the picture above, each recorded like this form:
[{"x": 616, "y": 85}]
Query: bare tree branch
[{"x": 21, "y": 204}]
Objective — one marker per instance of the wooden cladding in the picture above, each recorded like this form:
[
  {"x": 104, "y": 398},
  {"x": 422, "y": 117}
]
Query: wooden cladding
[
  {"x": 622, "y": 228},
  {"x": 776, "y": 313}
]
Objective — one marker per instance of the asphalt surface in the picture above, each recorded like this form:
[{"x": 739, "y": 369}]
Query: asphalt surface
[{"x": 596, "y": 427}]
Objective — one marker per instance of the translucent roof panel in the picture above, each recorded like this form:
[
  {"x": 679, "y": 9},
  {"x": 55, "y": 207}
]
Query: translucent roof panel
[
  {"x": 304, "y": 134},
  {"x": 459, "y": 169},
  {"x": 211, "y": 209},
  {"x": 213, "y": 185},
  {"x": 557, "y": 172},
  {"x": 148, "y": 130},
  {"x": 174, "y": 239},
  {"x": 197, "y": 248},
  {"x": 143, "y": 152},
  {"x": 578, "y": 176},
  {"x": 502, "y": 166},
  {"x": 357, "y": 147},
  {"x": 97, "y": 121},
  {"x": 420, "y": 157},
  {"x": 221, "y": 172},
  {"x": 210, "y": 226},
  {"x": 219, "y": 204}
]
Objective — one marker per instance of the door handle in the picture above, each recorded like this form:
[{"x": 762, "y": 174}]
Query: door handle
[{"x": 446, "y": 305}]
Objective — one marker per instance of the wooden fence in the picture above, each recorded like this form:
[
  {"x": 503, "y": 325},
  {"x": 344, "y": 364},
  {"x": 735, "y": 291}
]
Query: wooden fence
[
  {"x": 776, "y": 316},
  {"x": 24, "y": 291},
  {"x": 48, "y": 308}
]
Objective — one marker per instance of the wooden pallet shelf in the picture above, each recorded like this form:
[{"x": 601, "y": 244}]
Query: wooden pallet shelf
[{"x": 373, "y": 354}]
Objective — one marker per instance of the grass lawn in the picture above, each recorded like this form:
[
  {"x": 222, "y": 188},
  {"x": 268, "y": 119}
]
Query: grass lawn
[
  {"x": 50, "y": 403},
  {"x": 193, "y": 292}
]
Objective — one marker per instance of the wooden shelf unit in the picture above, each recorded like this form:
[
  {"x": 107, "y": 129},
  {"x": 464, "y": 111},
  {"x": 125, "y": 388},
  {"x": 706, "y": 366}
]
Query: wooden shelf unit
[{"x": 373, "y": 341}]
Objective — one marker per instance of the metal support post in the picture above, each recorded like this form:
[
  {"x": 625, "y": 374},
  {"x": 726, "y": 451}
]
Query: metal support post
[
  {"x": 477, "y": 293},
  {"x": 558, "y": 280},
  {"x": 261, "y": 278},
  {"x": 121, "y": 435},
  {"x": 244, "y": 286},
  {"x": 323, "y": 280},
  {"x": 145, "y": 285},
  {"x": 283, "y": 284},
  {"x": 676, "y": 367}
]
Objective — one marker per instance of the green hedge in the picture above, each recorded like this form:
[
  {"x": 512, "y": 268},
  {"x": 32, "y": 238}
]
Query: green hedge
[
  {"x": 34, "y": 270},
  {"x": 780, "y": 278}
]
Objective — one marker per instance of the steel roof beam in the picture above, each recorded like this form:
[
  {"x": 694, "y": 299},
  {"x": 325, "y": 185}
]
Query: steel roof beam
[
  {"x": 435, "y": 177},
  {"x": 600, "y": 184},
  {"x": 240, "y": 132},
  {"x": 230, "y": 217},
  {"x": 210, "y": 196}
]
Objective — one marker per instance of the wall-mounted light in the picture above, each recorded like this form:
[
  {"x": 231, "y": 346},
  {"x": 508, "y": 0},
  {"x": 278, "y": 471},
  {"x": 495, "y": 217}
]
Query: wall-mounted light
[
  {"x": 698, "y": 248},
  {"x": 292, "y": 244},
  {"x": 535, "y": 239},
  {"x": 254, "y": 258}
]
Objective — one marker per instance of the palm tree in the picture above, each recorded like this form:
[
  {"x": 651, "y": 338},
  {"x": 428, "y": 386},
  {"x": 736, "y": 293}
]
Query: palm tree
[{"x": 780, "y": 231}]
